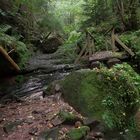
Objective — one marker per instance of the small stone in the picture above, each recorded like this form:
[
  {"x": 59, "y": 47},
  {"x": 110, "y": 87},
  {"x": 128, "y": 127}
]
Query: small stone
[
  {"x": 29, "y": 121},
  {"x": 30, "y": 117},
  {"x": 57, "y": 88},
  {"x": 95, "y": 64},
  {"x": 92, "y": 123},
  {"x": 78, "y": 124},
  {"x": 90, "y": 138},
  {"x": 36, "y": 112},
  {"x": 49, "y": 125},
  {"x": 64, "y": 130},
  {"x": 98, "y": 135},
  {"x": 2, "y": 106},
  {"x": 33, "y": 131},
  {"x": 56, "y": 121}
]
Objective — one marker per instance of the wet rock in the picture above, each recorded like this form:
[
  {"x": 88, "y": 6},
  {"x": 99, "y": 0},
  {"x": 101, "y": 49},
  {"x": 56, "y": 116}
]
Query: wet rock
[
  {"x": 98, "y": 135},
  {"x": 90, "y": 138},
  {"x": 113, "y": 61},
  {"x": 92, "y": 123},
  {"x": 33, "y": 131},
  {"x": 57, "y": 121},
  {"x": 57, "y": 88},
  {"x": 78, "y": 133},
  {"x": 51, "y": 134},
  {"x": 11, "y": 126},
  {"x": 95, "y": 64},
  {"x": 78, "y": 124},
  {"x": 51, "y": 45}
]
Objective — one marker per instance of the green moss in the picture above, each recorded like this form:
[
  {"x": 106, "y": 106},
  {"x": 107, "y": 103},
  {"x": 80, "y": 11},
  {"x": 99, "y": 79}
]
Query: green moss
[
  {"x": 109, "y": 95},
  {"x": 22, "y": 53},
  {"x": 78, "y": 133}
]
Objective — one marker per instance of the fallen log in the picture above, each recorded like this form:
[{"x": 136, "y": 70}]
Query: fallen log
[
  {"x": 7, "y": 64},
  {"x": 129, "y": 51}
]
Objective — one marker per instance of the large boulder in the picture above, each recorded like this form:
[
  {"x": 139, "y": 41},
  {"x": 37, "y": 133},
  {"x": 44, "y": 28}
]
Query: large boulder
[
  {"x": 109, "y": 95},
  {"x": 51, "y": 45}
]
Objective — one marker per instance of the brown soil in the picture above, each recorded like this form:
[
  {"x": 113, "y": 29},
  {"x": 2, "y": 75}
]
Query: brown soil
[{"x": 36, "y": 114}]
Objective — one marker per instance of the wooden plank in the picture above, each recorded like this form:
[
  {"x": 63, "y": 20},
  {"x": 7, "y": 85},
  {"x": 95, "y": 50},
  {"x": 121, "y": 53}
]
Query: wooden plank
[
  {"x": 9, "y": 59},
  {"x": 105, "y": 55},
  {"x": 113, "y": 40},
  {"x": 89, "y": 46},
  {"x": 93, "y": 46},
  {"x": 81, "y": 53},
  {"x": 124, "y": 46}
]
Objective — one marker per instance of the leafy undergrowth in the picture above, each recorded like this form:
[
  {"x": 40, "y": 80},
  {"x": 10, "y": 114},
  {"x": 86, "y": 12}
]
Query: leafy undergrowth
[
  {"x": 109, "y": 95},
  {"x": 68, "y": 50}
]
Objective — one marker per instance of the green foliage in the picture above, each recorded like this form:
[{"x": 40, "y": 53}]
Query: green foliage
[
  {"x": 4, "y": 28},
  {"x": 107, "y": 13},
  {"x": 74, "y": 37},
  {"x": 68, "y": 49},
  {"x": 132, "y": 40},
  {"x": 121, "y": 105},
  {"x": 19, "y": 79},
  {"x": 50, "y": 23},
  {"x": 110, "y": 95},
  {"x": 23, "y": 53}
]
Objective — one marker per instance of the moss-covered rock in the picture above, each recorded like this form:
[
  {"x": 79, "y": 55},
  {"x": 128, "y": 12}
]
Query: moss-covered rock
[
  {"x": 69, "y": 117},
  {"x": 78, "y": 133},
  {"x": 50, "y": 134},
  {"x": 109, "y": 95}
]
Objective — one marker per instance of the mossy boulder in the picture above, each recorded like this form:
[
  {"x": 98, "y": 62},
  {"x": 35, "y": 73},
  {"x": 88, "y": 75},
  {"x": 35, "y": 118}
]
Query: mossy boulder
[
  {"x": 78, "y": 133},
  {"x": 110, "y": 95},
  {"x": 49, "y": 134},
  {"x": 68, "y": 117}
]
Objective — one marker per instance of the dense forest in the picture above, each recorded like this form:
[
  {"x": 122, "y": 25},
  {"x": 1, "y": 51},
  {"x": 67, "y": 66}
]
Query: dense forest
[{"x": 69, "y": 69}]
